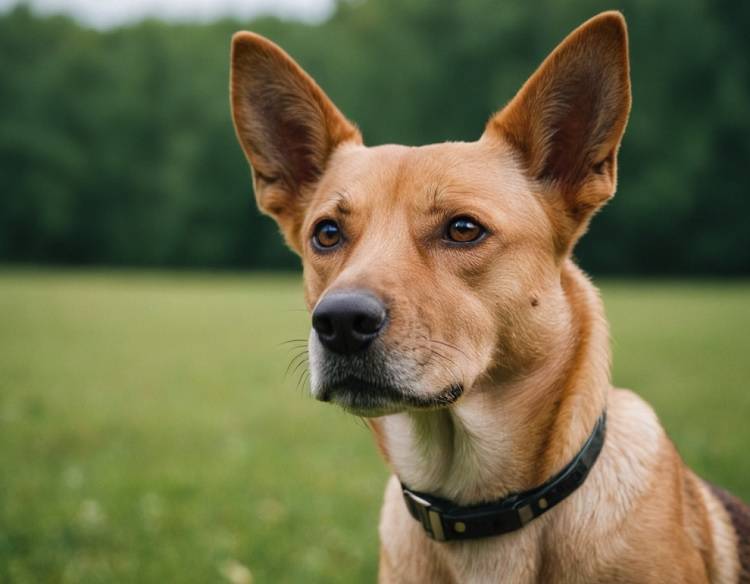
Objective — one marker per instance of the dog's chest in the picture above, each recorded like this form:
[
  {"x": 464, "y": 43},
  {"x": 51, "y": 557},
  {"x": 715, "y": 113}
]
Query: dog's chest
[{"x": 514, "y": 559}]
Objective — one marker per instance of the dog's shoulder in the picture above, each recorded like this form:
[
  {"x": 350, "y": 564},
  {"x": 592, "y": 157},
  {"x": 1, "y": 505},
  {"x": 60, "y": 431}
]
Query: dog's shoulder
[{"x": 634, "y": 432}]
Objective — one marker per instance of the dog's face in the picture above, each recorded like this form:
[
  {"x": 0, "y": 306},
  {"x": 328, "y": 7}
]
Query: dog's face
[
  {"x": 427, "y": 268},
  {"x": 446, "y": 245}
]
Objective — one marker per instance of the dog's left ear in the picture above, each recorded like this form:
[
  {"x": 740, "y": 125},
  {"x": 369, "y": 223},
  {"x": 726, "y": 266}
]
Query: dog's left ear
[
  {"x": 287, "y": 127},
  {"x": 567, "y": 121}
]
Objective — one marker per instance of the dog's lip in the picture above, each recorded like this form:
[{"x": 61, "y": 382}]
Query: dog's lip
[
  {"x": 365, "y": 398},
  {"x": 357, "y": 386}
]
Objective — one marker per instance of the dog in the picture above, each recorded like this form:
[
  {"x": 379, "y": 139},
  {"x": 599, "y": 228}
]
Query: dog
[{"x": 447, "y": 310}]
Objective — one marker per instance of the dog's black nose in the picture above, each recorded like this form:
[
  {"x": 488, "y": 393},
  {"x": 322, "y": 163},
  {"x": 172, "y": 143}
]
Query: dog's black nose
[{"x": 347, "y": 322}]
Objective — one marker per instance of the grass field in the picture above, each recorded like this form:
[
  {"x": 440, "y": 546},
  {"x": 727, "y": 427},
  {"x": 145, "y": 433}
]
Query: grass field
[{"x": 148, "y": 433}]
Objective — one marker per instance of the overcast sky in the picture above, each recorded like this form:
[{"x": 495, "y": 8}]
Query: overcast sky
[{"x": 108, "y": 13}]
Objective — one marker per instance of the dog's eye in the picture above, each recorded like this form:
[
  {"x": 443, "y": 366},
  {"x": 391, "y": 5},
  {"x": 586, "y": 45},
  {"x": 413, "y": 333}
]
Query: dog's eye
[
  {"x": 464, "y": 230},
  {"x": 327, "y": 234}
]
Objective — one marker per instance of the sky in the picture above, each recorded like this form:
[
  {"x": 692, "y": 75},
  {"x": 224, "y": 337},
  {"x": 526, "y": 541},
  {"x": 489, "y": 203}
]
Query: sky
[{"x": 109, "y": 13}]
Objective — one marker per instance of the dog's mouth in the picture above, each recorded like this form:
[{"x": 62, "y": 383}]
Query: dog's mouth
[{"x": 367, "y": 399}]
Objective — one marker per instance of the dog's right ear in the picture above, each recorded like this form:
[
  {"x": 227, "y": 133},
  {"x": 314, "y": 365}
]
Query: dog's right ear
[{"x": 287, "y": 127}]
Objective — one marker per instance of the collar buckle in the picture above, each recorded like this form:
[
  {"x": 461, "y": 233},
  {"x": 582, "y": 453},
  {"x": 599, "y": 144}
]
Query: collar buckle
[{"x": 426, "y": 513}]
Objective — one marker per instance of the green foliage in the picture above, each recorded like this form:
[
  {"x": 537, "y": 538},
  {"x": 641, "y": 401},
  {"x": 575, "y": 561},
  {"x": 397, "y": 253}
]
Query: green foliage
[
  {"x": 117, "y": 147},
  {"x": 148, "y": 434}
]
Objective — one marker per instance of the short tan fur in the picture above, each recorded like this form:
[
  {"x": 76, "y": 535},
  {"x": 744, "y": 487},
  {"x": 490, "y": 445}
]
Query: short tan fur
[{"x": 508, "y": 318}]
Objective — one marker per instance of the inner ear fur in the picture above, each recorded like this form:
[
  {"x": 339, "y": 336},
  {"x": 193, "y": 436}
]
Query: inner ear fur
[
  {"x": 567, "y": 120},
  {"x": 287, "y": 127}
]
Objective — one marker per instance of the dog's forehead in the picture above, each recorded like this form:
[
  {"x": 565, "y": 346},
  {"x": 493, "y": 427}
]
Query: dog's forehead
[{"x": 413, "y": 176}]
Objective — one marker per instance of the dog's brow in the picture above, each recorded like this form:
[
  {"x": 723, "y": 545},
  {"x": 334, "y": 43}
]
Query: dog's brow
[
  {"x": 343, "y": 203},
  {"x": 441, "y": 198},
  {"x": 435, "y": 203}
]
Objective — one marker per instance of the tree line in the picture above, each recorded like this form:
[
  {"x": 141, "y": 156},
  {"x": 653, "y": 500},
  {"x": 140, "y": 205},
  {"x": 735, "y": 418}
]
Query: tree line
[{"x": 116, "y": 147}]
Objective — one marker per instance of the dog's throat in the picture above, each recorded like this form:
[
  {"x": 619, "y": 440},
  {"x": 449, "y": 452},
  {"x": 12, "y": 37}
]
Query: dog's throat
[{"x": 444, "y": 520}]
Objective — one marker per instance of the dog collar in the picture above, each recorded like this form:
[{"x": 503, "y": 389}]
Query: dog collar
[{"x": 446, "y": 521}]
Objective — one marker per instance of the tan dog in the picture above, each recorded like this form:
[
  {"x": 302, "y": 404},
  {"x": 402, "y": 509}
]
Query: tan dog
[{"x": 446, "y": 308}]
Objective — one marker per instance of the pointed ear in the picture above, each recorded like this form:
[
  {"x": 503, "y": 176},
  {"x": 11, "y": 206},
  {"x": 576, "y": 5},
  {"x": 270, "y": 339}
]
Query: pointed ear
[
  {"x": 287, "y": 127},
  {"x": 567, "y": 120}
]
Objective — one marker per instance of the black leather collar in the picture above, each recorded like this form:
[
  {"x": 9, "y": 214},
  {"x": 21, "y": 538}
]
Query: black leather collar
[{"x": 446, "y": 521}]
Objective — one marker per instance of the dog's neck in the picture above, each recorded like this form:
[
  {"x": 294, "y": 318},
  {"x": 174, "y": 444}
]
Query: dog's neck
[{"x": 510, "y": 435}]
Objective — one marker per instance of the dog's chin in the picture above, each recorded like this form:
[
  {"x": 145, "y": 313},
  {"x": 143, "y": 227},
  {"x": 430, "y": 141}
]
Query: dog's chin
[{"x": 368, "y": 400}]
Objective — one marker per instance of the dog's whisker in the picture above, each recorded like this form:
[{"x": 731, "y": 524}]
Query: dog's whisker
[
  {"x": 289, "y": 341},
  {"x": 442, "y": 356},
  {"x": 445, "y": 357},
  {"x": 449, "y": 345},
  {"x": 297, "y": 349},
  {"x": 300, "y": 350},
  {"x": 302, "y": 362},
  {"x": 302, "y": 355},
  {"x": 299, "y": 343},
  {"x": 302, "y": 380},
  {"x": 440, "y": 360}
]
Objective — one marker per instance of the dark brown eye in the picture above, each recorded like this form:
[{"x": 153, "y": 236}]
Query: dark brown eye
[
  {"x": 327, "y": 234},
  {"x": 464, "y": 230}
]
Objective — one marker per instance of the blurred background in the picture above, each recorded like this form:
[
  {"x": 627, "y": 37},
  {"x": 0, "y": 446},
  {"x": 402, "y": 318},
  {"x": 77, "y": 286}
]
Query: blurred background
[{"x": 148, "y": 430}]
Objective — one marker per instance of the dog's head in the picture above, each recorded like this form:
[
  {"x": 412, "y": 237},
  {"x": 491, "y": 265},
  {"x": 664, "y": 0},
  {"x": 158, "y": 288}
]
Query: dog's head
[{"x": 426, "y": 268}]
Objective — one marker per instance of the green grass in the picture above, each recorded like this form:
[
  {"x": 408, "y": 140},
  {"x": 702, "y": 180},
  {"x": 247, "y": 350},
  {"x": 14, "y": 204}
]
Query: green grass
[{"x": 148, "y": 434}]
